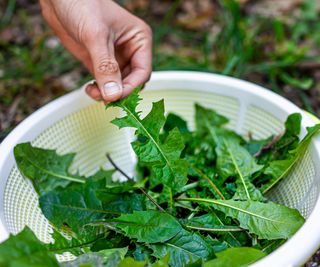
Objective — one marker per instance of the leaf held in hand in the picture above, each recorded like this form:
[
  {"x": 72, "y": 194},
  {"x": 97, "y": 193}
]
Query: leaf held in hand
[{"x": 162, "y": 158}]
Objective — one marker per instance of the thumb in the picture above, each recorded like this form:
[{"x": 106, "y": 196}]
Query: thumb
[{"x": 106, "y": 70}]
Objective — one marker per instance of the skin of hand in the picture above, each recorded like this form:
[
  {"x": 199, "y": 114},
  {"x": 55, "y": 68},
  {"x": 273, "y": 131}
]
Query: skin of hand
[{"x": 113, "y": 44}]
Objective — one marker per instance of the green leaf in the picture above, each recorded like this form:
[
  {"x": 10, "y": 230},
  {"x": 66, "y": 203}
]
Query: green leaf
[
  {"x": 174, "y": 172},
  {"x": 148, "y": 226},
  {"x": 293, "y": 125},
  {"x": 162, "y": 158},
  {"x": 110, "y": 240},
  {"x": 232, "y": 159},
  {"x": 271, "y": 245},
  {"x": 141, "y": 252},
  {"x": 205, "y": 181},
  {"x": 278, "y": 169},
  {"x": 184, "y": 248},
  {"x": 216, "y": 222},
  {"x": 206, "y": 118},
  {"x": 122, "y": 203},
  {"x": 210, "y": 123},
  {"x": 162, "y": 262},
  {"x": 255, "y": 147},
  {"x": 128, "y": 261},
  {"x": 279, "y": 146},
  {"x": 266, "y": 220},
  {"x": 210, "y": 222},
  {"x": 119, "y": 187},
  {"x": 175, "y": 121},
  {"x": 45, "y": 168},
  {"x": 216, "y": 245},
  {"x": 76, "y": 246},
  {"x": 108, "y": 252},
  {"x": 25, "y": 250},
  {"x": 198, "y": 263},
  {"x": 114, "y": 259},
  {"x": 87, "y": 260},
  {"x": 235, "y": 161},
  {"x": 103, "y": 258},
  {"x": 290, "y": 139},
  {"x": 74, "y": 208},
  {"x": 220, "y": 219},
  {"x": 236, "y": 257}
]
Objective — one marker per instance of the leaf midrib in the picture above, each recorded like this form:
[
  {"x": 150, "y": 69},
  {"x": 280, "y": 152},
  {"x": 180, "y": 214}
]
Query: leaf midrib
[
  {"x": 215, "y": 229},
  {"x": 237, "y": 169},
  {"x": 81, "y": 208},
  {"x": 181, "y": 248},
  {"x": 281, "y": 176},
  {"x": 230, "y": 206},
  {"x": 140, "y": 224},
  {"x": 149, "y": 135},
  {"x": 296, "y": 157},
  {"x": 221, "y": 223},
  {"x": 81, "y": 245},
  {"x": 69, "y": 178},
  {"x": 215, "y": 138}
]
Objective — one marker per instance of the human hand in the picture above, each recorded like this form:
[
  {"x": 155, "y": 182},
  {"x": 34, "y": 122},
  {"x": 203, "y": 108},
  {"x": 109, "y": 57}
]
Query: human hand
[{"x": 112, "y": 43}]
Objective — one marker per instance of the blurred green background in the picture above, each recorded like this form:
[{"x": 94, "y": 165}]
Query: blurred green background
[
  {"x": 269, "y": 42},
  {"x": 272, "y": 43}
]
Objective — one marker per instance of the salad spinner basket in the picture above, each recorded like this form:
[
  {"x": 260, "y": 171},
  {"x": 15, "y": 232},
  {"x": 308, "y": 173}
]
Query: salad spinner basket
[{"x": 75, "y": 123}]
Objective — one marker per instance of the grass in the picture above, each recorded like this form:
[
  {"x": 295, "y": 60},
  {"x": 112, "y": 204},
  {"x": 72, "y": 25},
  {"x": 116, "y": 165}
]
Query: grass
[
  {"x": 279, "y": 53},
  {"x": 273, "y": 53}
]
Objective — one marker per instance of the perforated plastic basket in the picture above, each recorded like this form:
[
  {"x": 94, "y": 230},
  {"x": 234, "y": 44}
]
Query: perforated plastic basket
[{"x": 75, "y": 123}]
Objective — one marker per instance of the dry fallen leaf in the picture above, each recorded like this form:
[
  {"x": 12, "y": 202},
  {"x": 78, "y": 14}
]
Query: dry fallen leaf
[
  {"x": 196, "y": 14},
  {"x": 273, "y": 8}
]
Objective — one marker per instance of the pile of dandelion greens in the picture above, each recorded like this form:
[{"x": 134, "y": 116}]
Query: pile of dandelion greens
[{"x": 198, "y": 197}]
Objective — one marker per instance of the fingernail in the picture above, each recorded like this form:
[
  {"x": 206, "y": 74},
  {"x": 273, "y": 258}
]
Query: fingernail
[
  {"x": 88, "y": 89},
  {"x": 111, "y": 89}
]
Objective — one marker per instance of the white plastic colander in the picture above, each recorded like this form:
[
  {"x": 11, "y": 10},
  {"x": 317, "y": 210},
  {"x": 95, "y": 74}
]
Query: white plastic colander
[{"x": 75, "y": 123}]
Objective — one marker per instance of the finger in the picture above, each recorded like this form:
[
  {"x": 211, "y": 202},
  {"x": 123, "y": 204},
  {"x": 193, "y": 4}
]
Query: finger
[
  {"x": 93, "y": 91},
  {"x": 126, "y": 71},
  {"x": 105, "y": 68},
  {"x": 141, "y": 66},
  {"x": 123, "y": 53}
]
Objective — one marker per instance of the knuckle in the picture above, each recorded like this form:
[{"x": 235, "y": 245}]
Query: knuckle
[
  {"x": 107, "y": 65},
  {"x": 143, "y": 35},
  {"x": 146, "y": 28},
  {"x": 149, "y": 31}
]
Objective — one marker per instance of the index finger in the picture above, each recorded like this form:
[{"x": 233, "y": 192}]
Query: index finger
[{"x": 141, "y": 67}]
